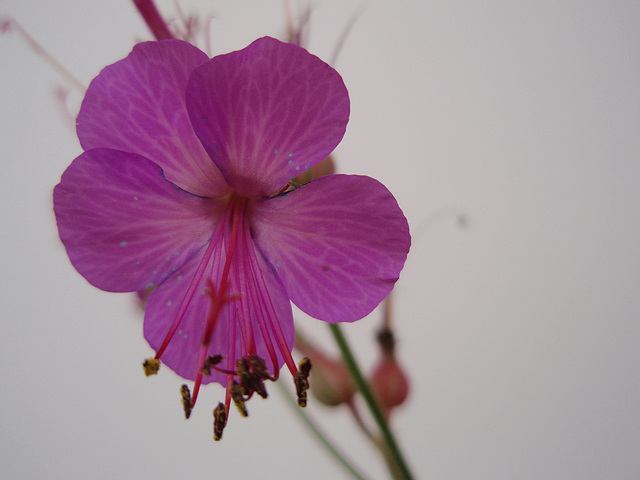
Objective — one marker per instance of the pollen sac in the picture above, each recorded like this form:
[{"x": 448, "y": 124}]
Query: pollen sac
[
  {"x": 151, "y": 366},
  {"x": 301, "y": 381},
  {"x": 237, "y": 395},
  {"x": 259, "y": 367},
  {"x": 250, "y": 380},
  {"x": 220, "y": 415},
  {"x": 305, "y": 367},
  {"x": 209, "y": 362},
  {"x": 186, "y": 400}
]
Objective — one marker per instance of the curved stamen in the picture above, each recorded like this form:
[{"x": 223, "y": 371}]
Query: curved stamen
[
  {"x": 219, "y": 294},
  {"x": 272, "y": 317},
  {"x": 193, "y": 286},
  {"x": 230, "y": 365},
  {"x": 260, "y": 312}
]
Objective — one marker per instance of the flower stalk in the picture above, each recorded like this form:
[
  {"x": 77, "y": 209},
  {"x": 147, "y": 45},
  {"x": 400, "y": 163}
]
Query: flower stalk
[
  {"x": 396, "y": 459},
  {"x": 153, "y": 19},
  {"x": 322, "y": 438}
]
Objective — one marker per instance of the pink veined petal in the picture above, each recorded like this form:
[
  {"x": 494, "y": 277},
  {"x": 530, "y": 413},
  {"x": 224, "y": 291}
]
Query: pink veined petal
[
  {"x": 267, "y": 113},
  {"x": 183, "y": 351},
  {"x": 137, "y": 105},
  {"x": 124, "y": 226},
  {"x": 337, "y": 243}
]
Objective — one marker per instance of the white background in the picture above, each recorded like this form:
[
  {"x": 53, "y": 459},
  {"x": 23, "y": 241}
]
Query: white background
[{"x": 519, "y": 331}]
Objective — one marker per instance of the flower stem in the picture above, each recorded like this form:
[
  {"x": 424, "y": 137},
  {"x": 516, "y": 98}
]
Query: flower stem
[
  {"x": 387, "y": 436},
  {"x": 319, "y": 434},
  {"x": 153, "y": 19},
  {"x": 7, "y": 24}
]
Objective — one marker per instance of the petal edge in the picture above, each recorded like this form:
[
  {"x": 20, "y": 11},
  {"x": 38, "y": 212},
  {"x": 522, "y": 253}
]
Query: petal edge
[{"x": 337, "y": 243}]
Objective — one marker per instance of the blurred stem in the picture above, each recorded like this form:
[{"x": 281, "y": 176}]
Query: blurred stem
[
  {"x": 153, "y": 19},
  {"x": 8, "y": 24},
  {"x": 320, "y": 436},
  {"x": 395, "y": 455}
]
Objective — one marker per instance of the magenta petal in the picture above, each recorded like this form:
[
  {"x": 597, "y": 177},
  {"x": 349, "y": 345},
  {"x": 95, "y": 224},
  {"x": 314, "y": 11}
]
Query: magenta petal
[
  {"x": 124, "y": 226},
  {"x": 137, "y": 105},
  {"x": 338, "y": 244},
  {"x": 267, "y": 113},
  {"x": 181, "y": 355}
]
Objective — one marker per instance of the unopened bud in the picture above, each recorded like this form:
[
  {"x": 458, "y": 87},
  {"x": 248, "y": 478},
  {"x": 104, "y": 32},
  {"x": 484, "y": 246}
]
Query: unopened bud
[
  {"x": 332, "y": 383},
  {"x": 388, "y": 381},
  {"x": 390, "y": 385}
]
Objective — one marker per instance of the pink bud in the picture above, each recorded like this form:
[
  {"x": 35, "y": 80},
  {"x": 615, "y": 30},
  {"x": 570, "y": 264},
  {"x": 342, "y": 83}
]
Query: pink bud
[
  {"x": 330, "y": 380},
  {"x": 390, "y": 385}
]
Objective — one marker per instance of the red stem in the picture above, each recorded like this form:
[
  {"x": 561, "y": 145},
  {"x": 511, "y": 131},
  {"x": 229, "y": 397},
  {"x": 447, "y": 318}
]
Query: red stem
[{"x": 154, "y": 20}]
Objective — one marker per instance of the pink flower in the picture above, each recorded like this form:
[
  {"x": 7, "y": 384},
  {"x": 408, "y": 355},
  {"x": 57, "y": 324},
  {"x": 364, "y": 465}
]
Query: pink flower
[{"x": 183, "y": 186}]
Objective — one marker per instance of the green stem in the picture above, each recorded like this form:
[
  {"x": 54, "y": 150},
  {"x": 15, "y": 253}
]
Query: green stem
[
  {"x": 320, "y": 436},
  {"x": 387, "y": 436}
]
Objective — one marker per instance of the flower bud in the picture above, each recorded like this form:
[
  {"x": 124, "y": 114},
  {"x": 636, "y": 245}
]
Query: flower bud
[
  {"x": 388, "y": 381},
  {"x": 390, "y": 385},
  {"x": 331, "y": 383}
]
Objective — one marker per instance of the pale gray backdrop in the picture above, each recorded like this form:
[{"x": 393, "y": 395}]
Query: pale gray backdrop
[{"x": 519, "y": 331}]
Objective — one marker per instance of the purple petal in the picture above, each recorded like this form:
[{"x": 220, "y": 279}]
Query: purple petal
[
  {"x": 137, "y": 105},
  {"x": 338, "y": 244},
  {"x": 124, "y": 226},
  {"x": 182, "y": 353},
  {"x": 267, "y": 113}
]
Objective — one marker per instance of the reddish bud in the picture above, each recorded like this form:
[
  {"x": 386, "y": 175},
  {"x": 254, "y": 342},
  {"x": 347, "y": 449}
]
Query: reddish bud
[
  {"x": 330, "y": 379},
  {"x": 389, "y": 383}
]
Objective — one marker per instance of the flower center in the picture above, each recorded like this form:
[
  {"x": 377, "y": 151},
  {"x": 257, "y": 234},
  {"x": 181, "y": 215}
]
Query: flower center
[{"x": 233, "y": 275}]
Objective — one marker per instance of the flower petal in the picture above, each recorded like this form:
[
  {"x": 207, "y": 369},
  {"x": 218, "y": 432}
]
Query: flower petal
[
  {"x": 267, "y": 113},
  {"x": 337, "y": 243},
  {"x": 137, "y": 105},
  {"x": 182, "y": 353},
  {"x": 124, "y": 226}
]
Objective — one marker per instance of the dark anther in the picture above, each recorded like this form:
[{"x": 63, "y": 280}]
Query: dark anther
[
  {"x": 209, "y": 362},
  {"x": 301, "y": 381},
  {"x": 305, "y": 367},
  {"x": 237, "y": 395},
  {"x": 151, "y": 366},
  {"x": 186, "y": 400},
  {"x": 249, "y": 380},
  {"x": 259, "y": 368},
  {"x": 220, "y": 415}
]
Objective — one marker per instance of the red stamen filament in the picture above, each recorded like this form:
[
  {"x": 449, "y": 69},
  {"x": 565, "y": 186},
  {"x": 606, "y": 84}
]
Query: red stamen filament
[
  {"x": 260, "y": 313},
  {"x": 195, "y": 281},
  {"x": 272, "y": 319},
  {"x": 231, "y": 234},
  {"x": 219, "y": 295}
]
